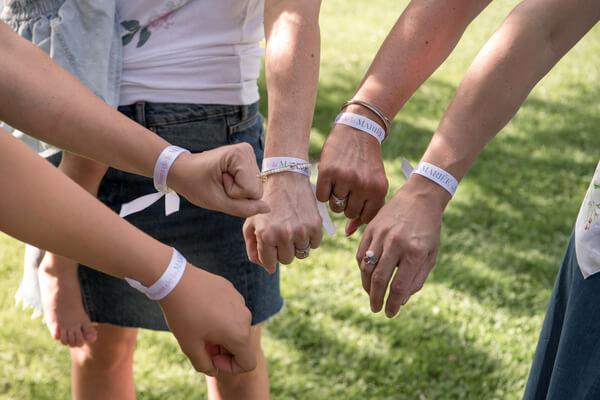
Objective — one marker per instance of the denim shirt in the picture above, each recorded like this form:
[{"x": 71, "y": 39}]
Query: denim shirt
[{"x": 83, "y": 36}]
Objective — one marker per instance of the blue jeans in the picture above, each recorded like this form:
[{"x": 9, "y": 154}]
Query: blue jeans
[{"x": 208, "y": 239}]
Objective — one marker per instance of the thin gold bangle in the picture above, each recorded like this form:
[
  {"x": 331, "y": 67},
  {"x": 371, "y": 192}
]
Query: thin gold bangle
[{"x": 374, "y": 109}]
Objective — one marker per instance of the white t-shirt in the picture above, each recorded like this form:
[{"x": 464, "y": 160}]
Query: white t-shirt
[{"x": 191, "y": 51}]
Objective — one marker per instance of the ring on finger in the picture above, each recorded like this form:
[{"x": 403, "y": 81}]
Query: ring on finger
[
  {"x": 339, "y": 201},
  {"x": 303, "y": 253},
  {"x": 370, "y": 258}
]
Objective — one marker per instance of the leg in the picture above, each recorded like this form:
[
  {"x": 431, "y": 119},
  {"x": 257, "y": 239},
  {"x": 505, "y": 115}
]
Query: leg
[
  {"x": 251, "y": 386},
  {"x": 104, "y": 369},
  {"x": 64, "y": 313}
]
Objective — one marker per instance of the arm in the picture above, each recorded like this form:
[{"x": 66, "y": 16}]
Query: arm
[
  {"x": 422, "y": 38},
  {"x": 48, "y": 103},
  {"x": 58, "y": 218},
  {"x": 292, "y": 72},
  {"x": 406, "y": 231}
]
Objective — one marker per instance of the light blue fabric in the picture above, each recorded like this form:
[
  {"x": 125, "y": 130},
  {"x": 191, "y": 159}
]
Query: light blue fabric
[{"x": 83, "y": 36}]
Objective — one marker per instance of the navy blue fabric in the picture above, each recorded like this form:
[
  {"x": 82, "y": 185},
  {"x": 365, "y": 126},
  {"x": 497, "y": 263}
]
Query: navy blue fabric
[
  {"x": 567, "y": 360},
  {"x": 208, "y": 239}
]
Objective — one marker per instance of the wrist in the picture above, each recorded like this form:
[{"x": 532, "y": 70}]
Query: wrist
[
  {"x": 429, "y": 191},
  {"x": 179, "y": 171},
  {"x": 152, "y": 263}
]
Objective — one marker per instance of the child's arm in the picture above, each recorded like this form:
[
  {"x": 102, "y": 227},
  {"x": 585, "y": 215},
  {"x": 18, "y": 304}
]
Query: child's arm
[
  {"x": 63, "y": 218},
  {"x": 534, "y": 37}
]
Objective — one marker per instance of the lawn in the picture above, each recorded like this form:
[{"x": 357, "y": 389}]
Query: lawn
[{"x": 471, "y": 332}]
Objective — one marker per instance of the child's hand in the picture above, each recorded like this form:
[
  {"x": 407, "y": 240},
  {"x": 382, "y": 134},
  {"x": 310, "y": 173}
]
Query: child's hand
[
  {"x": 211, "y": 323},
  {"x": 225, "y": 179}
]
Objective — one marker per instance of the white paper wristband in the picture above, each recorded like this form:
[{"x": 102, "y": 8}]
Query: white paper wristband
[
  {"x": 361, "y": 123},
  {"x": 437, "y": 175},
  {"x": 163, "y": 164},
  {"x": 167, "y": 282},
  {"x": 281, "y": 163}
]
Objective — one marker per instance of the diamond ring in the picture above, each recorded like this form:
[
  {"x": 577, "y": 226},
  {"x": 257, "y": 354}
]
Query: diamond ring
[
  {"x": 370, "y": 258},
  {"x": 340, "y": 202}
]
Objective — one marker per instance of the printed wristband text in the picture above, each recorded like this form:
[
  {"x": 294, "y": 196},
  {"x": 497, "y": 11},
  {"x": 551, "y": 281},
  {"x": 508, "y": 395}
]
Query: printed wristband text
[
  {"x": 437, "y": 175},
  {"x": 361, "y": 123}
]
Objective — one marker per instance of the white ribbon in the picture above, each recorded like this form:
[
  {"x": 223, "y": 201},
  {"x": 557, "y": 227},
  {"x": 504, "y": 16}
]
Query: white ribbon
[
  {"x": 141, "y": 203},
  {"x": 324, "y": 213}
]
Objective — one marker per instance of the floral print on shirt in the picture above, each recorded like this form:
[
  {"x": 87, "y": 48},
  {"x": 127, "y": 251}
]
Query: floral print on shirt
[{"x": 159, "y": 19}]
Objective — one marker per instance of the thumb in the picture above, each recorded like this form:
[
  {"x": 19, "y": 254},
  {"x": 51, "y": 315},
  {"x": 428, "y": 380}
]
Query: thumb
[{"x": 244, "y": 207}]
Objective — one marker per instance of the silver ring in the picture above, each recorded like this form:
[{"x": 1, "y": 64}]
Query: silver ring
[
  {"x": 370, "y": 258},
  {"x": 340, "y": 202},
  {"x": 302, "y": 253}
]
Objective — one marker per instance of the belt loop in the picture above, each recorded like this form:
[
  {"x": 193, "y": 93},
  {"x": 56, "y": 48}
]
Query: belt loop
[
  {"x": 244, "y": 111},
  {"x": 140, "y": 112}
]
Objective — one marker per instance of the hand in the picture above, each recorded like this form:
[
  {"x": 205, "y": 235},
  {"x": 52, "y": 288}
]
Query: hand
[
  {"x": 404, "y": 234},
  {"x": 293, "y": 224},
  {"x": 351, "y": 168},
  {"x": 224, "y": 179},
  {"x": 211, "y": 323}
]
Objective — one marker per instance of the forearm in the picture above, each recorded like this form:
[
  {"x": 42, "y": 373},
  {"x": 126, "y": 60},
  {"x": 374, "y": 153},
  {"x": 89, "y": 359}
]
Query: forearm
[
  {"x": 61, "y": 217},
  {"x": 529, "y": 43},
  {"x": 292, "y": 73},
  {"x": 422, "y": 38},
  {"x": 48, "y": 103}
]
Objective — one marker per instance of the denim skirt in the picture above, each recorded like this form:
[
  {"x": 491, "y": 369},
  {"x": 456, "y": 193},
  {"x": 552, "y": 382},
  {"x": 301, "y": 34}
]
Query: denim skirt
[
  {"x": 566, "y": 365},
  {"x": 208, "y": 239}
]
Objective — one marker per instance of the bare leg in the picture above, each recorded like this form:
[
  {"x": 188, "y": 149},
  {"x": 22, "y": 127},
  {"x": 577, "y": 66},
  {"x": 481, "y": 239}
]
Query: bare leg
[
  {"x": 64, "y": 313},
  {"x": 104, "y": 369},
  {"x": 251, "y": 386}
]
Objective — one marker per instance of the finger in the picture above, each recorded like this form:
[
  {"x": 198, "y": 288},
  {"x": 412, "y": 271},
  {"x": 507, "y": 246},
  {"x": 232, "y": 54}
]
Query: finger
[
  {"x": 301, "y": 238},
  {"x": 251, "y": 242},
  {"x": 238, "y": 360},
  {"x": 352, "y": 226},
  {"x": 89, "y": 332},
  {"x": 423, "y": 273},
  {"x": 316, "y": 235},
  {"x": 323, "y": 191},
  {"x": 201, "y": 361},
  {"x": 367, "y": 269},
  {"x": 64, "y": 339},
  {"x": 370, "y": 210},
  {"x": 70, "y": 338},
  {"x": 286, "y": 252},
  {"x": 78, "y": 338},
  {"x": 267, "y": 255},
  {"x": 380, "y": 278},
  {"x": 354, "y": 206},
  {"x": 400, "y": 286},
  {"x": 341, "y": 191}
]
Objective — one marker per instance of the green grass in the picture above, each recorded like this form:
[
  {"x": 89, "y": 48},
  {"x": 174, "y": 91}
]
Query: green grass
[{"x": 471, "y": 332}]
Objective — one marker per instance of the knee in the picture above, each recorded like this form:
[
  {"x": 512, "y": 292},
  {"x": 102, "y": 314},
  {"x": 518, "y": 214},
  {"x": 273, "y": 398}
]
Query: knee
[{"x": 105, "y": 356}]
